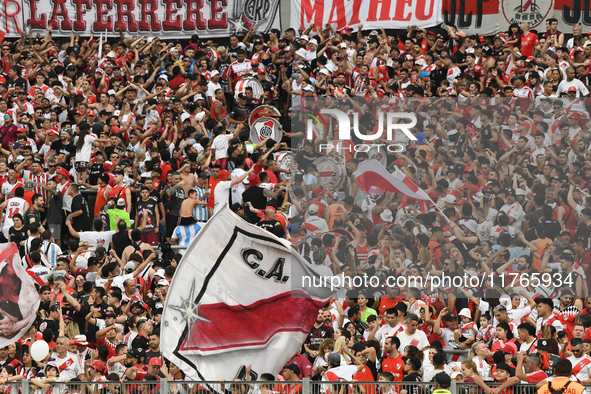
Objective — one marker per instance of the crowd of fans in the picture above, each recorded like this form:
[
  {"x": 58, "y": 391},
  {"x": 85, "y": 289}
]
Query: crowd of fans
[{"x": 112, "y": 152}]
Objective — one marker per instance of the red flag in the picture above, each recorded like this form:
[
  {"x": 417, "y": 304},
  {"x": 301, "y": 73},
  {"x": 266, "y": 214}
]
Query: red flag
[
  {"x": 2, "y": 34},
  {"x": 372, "y": 177}
]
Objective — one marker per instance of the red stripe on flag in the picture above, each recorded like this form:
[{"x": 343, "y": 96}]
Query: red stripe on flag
[
  {"x": 235, "y": 326},
  {"x": 411, "y": 185}
]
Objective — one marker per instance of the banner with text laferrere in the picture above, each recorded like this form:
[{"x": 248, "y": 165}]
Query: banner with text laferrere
[
  {"x": 166, "y": 18},
  {"x": 372, "y": 14},
  {"x": 487, "y": 17}
]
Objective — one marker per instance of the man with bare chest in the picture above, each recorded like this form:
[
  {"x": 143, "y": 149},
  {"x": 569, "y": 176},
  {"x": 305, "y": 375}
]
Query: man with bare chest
[{"x": 188, "y": 177}]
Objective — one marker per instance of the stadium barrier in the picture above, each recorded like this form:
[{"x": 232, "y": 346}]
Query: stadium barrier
[{"x": 306, "y": 386}]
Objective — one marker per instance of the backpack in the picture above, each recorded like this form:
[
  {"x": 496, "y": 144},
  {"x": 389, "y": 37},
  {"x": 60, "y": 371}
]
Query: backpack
[{"x": 559, "y": 391}]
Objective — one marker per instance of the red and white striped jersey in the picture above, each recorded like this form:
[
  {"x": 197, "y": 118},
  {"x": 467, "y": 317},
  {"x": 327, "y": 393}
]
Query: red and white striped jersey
[
  {"x": 238, "y": 70},
  {"x": 41, "y": 179}
]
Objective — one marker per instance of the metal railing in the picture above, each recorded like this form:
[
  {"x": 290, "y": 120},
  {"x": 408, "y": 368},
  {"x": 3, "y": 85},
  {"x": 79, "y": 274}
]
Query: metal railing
[{"x": 163, "y": 386}]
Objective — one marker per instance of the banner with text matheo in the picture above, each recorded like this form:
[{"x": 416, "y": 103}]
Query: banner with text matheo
[
  {"x": 164, "y": 18},
  {"x": 487, "y": 17},
  {"x": 388, "y": 14}
]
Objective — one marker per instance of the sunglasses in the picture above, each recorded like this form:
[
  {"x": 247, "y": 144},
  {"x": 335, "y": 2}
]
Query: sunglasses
[{"x": 50, "y": 166}]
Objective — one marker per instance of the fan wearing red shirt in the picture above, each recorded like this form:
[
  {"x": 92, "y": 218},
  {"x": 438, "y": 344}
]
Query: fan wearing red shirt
[
  {"x": 393, "y": 361},
  {"x": 529, "y": 40},
  {"x": 528, "y": 368},
  {"x": 368, "y": 373}
]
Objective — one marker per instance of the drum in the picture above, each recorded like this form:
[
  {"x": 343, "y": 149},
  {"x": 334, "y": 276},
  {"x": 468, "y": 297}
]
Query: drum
[
  {"x": 263, "y": 110},
  {"x": 257, "y": 88},
  {"x": 284, "y": 160},
  {"x": 329, "y": 170},
  {"x": 266, "y": 127}
]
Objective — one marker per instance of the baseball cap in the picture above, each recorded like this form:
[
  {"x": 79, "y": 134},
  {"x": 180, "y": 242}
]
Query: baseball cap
[
  {"x": 134, "y": 353},
  {"x": 451, "y": 316},
  {"x": 254, "y": 180},
  {"x": 155, "y": 361},
  {"x": 160, "y": 273},
  {"x": 163, "y": 282},
  {"x": 443, "y": 379},
  {"x": 98, "y": 365},
  {"x": 214, "y": 73},
  {"x": 317, "y": 191},
  {"x": 130, "y": 267},
  {"x": 313, "y": 209},
  {"x": 334, "y": 358},
  {"x": 120, "y": 202},
  {"x": 543, "y": 344}
]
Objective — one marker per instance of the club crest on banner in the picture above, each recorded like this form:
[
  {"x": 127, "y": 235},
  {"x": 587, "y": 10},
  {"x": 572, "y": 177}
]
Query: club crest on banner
[{"x": 534, "y": 12}]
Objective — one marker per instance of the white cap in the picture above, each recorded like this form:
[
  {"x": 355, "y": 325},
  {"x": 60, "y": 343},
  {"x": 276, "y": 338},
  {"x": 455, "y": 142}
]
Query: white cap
[
  {"x": 450, "y": 199},
  {"x": 199, "y": 116},
  {"x": 465, "y": 312},
  {"x": 455, "y": 374},
  {"x": 160, "y": 273},
  {"x": 343, "y": 45},
  {"x": 163, "y": 282},
  {"x": 471, "y": 225},
  {"x": 117, "y": 113},
  {"x": 313, "y": 41},
  {"x": 324, "y": 71},
  {"x": 199, "y": 97},
  {"x": 313, "y": 209},
  {"x": 386, "y": 215},
  {"x": 81, "y": 340},
  {"x": 163, "y": 76},
  {"x": 214, "y": 73},
  {"x": 130, "y": 266},
  {"x": 120, "y": 202},
  {"x": 305, "y": 37},
  {"x": 301, "y": 52},
  {"x": 185, "y": 116},
  {"x": 112, "y": 54}
]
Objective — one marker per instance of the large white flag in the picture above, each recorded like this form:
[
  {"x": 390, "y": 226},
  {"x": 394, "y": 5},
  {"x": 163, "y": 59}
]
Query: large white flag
[
  {"x": 240, "y": 296},
  {"x": 19, "y": 299}
]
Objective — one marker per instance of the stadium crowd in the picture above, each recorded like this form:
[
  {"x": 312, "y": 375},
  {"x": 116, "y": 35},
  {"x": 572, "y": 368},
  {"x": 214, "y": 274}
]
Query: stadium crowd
[{"x": 112, "y": 152}]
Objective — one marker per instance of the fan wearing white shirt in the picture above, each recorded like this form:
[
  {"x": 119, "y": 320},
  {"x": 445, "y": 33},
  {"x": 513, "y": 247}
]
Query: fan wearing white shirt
[{"x": 412, "y": 335}]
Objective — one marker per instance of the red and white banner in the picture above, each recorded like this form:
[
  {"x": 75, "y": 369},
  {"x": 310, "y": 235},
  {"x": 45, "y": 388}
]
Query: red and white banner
[
  {"x": 372, "y": 177},
  {"x": 19, "y": 299},
  {"x": 239, "y": 297},
  {"x": 166, "y": 18},
  {"x": 388, "y": 14},
  {"x": 493, "y": 16}
]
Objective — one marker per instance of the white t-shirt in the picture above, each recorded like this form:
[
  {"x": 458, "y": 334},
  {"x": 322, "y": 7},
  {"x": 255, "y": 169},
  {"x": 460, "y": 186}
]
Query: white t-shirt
[
  {"x": 580, "y": 86},
  {"x": 238, "y": 188},
  {"x": 96, "y": 239},
  {"x": 220, "y": 144},
  {"x": 211, "y": 88},
  {"x": 418, "y": 339},
  {"x": 221, "y": 194},
  {"x": 83, "y": 155},
  {"x": 69, "y": 366}
]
